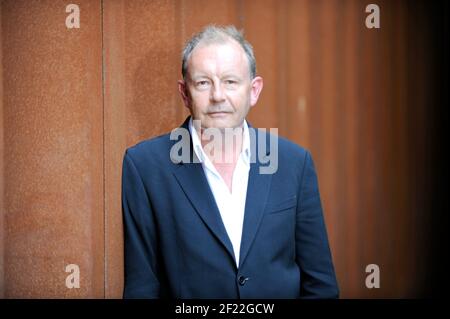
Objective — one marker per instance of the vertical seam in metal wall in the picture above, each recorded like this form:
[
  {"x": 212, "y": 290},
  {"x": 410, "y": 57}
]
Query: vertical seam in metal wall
[
  {"x": 282, "y": 74},
  {"x": 359, "y": 142},
  {"x": 315, "y": 30},
  {"x": 103, "y": 153},
  {"x": 2, "y": 171},
  {"x": 340, "y": 78},
  {"x": 182, "y": 33},
  {"x": 240, "y": 14},
  {"x": 377, "y": 46},
  {"x": 177, "y": 45}
]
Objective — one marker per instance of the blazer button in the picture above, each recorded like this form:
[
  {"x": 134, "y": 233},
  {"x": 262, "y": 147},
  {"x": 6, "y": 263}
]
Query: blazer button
[{"x": 242, "y": 280}]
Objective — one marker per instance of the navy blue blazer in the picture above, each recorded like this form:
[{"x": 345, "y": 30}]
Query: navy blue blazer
[{"x": 176, "y": 245}]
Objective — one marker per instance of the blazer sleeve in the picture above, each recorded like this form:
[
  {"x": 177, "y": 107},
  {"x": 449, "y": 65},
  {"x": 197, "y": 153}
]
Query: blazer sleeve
[
  {"x": 313, "y": 254},
  {"x": 139, "y": 236}
]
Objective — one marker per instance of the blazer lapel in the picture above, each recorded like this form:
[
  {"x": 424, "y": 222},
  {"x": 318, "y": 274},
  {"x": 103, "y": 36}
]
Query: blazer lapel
[
  {"x": 193, "y": 181},
  {"x": 257, "y": 195}
]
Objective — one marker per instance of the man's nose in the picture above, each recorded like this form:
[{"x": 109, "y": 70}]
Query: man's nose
[{"x": 217, "y": 94}]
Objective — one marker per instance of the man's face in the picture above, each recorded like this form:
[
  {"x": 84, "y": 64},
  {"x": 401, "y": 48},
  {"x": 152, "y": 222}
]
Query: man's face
[{"x": 218, "y": 90}]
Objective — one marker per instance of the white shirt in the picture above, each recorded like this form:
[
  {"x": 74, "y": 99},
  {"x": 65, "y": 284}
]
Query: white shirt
[{"x": 231, "y": 205}]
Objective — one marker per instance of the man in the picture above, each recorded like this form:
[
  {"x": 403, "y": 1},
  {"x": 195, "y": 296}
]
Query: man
[{"x": 211, "y": 223}]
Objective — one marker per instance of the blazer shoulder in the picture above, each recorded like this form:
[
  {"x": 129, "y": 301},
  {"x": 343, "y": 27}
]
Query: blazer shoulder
[
  {"x": 155, "y": 148},
  {"x": 290, "y": 149}
]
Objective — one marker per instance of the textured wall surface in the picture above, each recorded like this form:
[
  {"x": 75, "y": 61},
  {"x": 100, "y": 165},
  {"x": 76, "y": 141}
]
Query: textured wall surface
[
  {"x": 2, "y": 179},
  {"x": 72, "y": 100},
  {"x": 53, "y": 158}
]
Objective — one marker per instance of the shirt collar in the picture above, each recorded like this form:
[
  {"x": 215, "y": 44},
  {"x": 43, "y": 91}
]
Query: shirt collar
[{"x": 198, "y": 149}]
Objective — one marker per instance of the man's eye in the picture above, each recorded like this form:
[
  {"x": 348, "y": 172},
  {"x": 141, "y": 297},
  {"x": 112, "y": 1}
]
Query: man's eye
[
  {"x": 202, "y": 83},
  {"x": 230, "y": 82}
]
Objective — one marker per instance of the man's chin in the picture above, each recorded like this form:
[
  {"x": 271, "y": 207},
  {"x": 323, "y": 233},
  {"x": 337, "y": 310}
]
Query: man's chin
[{"x": 219, "y": 124}]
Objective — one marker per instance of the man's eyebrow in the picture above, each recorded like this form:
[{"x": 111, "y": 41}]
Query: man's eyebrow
[
  {"x": 231, "y": 75},
  {"x": 198, "y": 76}
]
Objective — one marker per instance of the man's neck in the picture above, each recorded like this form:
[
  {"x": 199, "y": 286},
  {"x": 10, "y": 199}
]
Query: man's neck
[{"x": 222, "y": 146}]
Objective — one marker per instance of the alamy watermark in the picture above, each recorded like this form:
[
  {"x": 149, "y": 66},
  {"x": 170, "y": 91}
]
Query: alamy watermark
[
  {"x": 73, "y": 279},
  {"x": 222, "y": 142},
  {"x": 73, "y": 19},
  {"x": 373, "y": 279},
  {"x": 373, "y": 19}
]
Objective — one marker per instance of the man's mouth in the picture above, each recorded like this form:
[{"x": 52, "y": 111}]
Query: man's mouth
[{"x": 218, "y": 114}]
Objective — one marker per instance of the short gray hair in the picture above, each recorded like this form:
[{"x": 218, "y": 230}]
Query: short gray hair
[{"x": 218, "y": 34}]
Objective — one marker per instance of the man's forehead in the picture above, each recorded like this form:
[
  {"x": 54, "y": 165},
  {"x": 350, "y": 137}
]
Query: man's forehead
[{"x": 229, "y": 54}]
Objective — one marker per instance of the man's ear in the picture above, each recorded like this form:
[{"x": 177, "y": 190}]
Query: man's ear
[
  {"x": 182, "y": 88},
  {"x": 257, "y": 86}
]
